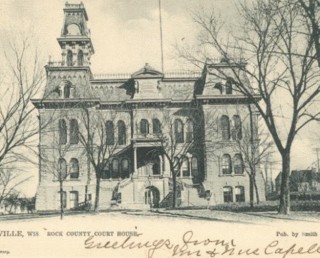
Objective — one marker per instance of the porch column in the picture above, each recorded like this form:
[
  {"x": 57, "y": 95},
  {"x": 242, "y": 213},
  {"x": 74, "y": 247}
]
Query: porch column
[
  {"x": 134, "y": 160},
  {"x": 190, "y": 164},
  {"x": 161, "y": 164}
]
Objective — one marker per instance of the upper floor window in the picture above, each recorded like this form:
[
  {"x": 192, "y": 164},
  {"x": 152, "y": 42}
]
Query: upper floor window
[
  {"x": 225, "y": 127},
  {"x": 226, "y": 164},
  {"x": 176, "y": 166},
  {"x": 66, "y": 90},
  {"x": 80, "y": 58},
  {"x": 62, "y": 169},
  {"x": 144, "y": 127},
  {"x": 156, "y": 126},
  {"x": 156, "y": 167},
  {"x": 189, "y": 134},
  {"x": 122, "y": 137},
  {"x": 109, "y": 133},
  {"x": 178, "y": 131},
  {"x": 69, "y": 58},
  {"x": 238, "y": 164},
  {"x": 219, "y": 87},
  {"x": 229, "y": 86},
  {"x": 74, "y": 169},
  {"x": 74, "y": 131},
  {"x": 237, "y": 128},
  {"x": 62, "y": 131}
]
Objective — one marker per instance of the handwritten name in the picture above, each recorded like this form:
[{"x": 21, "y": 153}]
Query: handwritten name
[{"x": 207, "y": 247}]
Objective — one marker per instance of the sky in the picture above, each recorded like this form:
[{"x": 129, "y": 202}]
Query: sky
[{"x": 125, "y": 35}]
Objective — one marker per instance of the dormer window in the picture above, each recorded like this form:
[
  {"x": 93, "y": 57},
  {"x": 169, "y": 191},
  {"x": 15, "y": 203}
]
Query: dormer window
[
  {"x": 229, "y": 86},
  {"x": 80, "y": 58},
  {"x": 69, "y": 58}
]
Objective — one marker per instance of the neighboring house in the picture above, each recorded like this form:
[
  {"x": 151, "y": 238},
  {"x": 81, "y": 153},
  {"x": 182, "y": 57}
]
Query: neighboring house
[
  {"x": 13, "y": 205},
  {"x": 301, "y": 181},
  {"x": 137, "y": 111}
]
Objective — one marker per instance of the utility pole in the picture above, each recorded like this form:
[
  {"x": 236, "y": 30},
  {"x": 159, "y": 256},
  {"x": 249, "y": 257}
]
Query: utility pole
[
  {"x": 161, "y": 43},
  {"x": 317, "y": 151}
]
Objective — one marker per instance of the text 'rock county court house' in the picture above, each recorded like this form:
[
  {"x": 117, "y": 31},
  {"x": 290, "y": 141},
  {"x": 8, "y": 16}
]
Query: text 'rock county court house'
[{"x": 138, "y": 129}]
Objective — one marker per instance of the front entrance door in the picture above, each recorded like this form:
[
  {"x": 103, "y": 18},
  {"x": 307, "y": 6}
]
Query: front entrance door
[
  {"x": 152, "y": 196},
  {"x": 74, "y": 199}
]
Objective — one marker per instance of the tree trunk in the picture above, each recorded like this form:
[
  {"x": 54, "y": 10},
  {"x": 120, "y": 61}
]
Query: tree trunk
[
  {"x": 251, "y": 189},
  {"x": 174, "y": 189},
  {"x": 256, "y": 190},
  {"x": 61, "y": 199},
  {"x": 284, "y": 207},
  {"x": 96, "y": 201}
]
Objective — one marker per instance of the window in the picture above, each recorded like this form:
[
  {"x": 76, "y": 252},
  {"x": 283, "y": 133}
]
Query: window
[
  {"x": 106, "y": 171},
  {"x": 74, "y": 131},
  {"x": 74, "y": 199},
  {"x": 239, "y": 192},
  {"x": 156, "y": 126},
  {"x": 229, "y": 86},
  {"x": 115, "y": 168},
  {"x": 189, "y": 134},
  {"x": 69, "y": 58},
  {"x": 194, "y": 166},
  {"x": 178, "y": 131},
  {"x": 238, "y": 164},
  {"x": 237, "y": 128},
  {"x": 109, "y": 133},
  {"x": 144, "y": 127},
  {"x": 80, "y": 58},
  {"x": 226, "y": 164},
  {"x": 62, "y": 131},
  {"x": 124, "y": 168},
  {"x": 219, "y": 87},
  {"x": 225, "y": 127},
  {"x": 156, "y": 166},
  {"x": 74, "y": 171},
  {"x": 227, "y": 194},
  {"x": 121, "y": 133},
  {"x": 67, "y": 90},
  {"x": 185, "y": 168},
  {"x": 62, "y": 169}
]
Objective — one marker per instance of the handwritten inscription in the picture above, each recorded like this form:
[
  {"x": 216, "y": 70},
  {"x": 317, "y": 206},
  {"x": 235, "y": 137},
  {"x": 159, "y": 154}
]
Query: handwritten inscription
[{"x": 189, "y": 246}]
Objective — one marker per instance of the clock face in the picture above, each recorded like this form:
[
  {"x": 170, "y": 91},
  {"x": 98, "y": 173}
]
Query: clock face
[{"x": 73, "y": 30}]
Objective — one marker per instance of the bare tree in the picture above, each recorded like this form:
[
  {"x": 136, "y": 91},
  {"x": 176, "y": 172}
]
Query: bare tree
[
  {"x": 98, "y": 145},
  {"x": 280, "y": 52},
  {"x": 21, "y": 78}
]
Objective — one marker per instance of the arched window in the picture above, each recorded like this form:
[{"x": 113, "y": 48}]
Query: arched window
[
  {"x": 227, "y": 194},
  {"x": 66, "y": 90},
  {"x": 237, "y": 128},
  {"x": 144, "y": 127},
  {"x": 178, "y": 131},
  {"x": 74, "y": 131},
  {"x": 109, "y": 133},
  {"x": 239, "y": 193},
  {"x": 194, "y": 166},
  {"x": 80, "y": 58},
  {"x": 62, "y": 169},
  {"x": 156, "y": 126},
  {"x": 185, "y": 167},
  {"x": 229, "y": 86},
  {"x": 69, "y": 58},
  {"x": 226, "y": 164},
  {"x": 115, "y": 168},
  {"x": 62, "y": 131},
  {"x": 106, "y": 170},
  {"x": 74, "y": 168},
  {"x": 156, "y": 166},
  {"x": 122, "y": 137},
  {"x": 124, "y": 168},
  {"x": 189, "y": 133},
  {"x": 225, "y": 127},
  {"x": 238, "y": 164}
]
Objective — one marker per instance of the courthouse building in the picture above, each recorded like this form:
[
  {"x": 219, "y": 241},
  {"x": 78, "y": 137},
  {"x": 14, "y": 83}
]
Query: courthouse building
[{"x": 146, "y": 121}]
